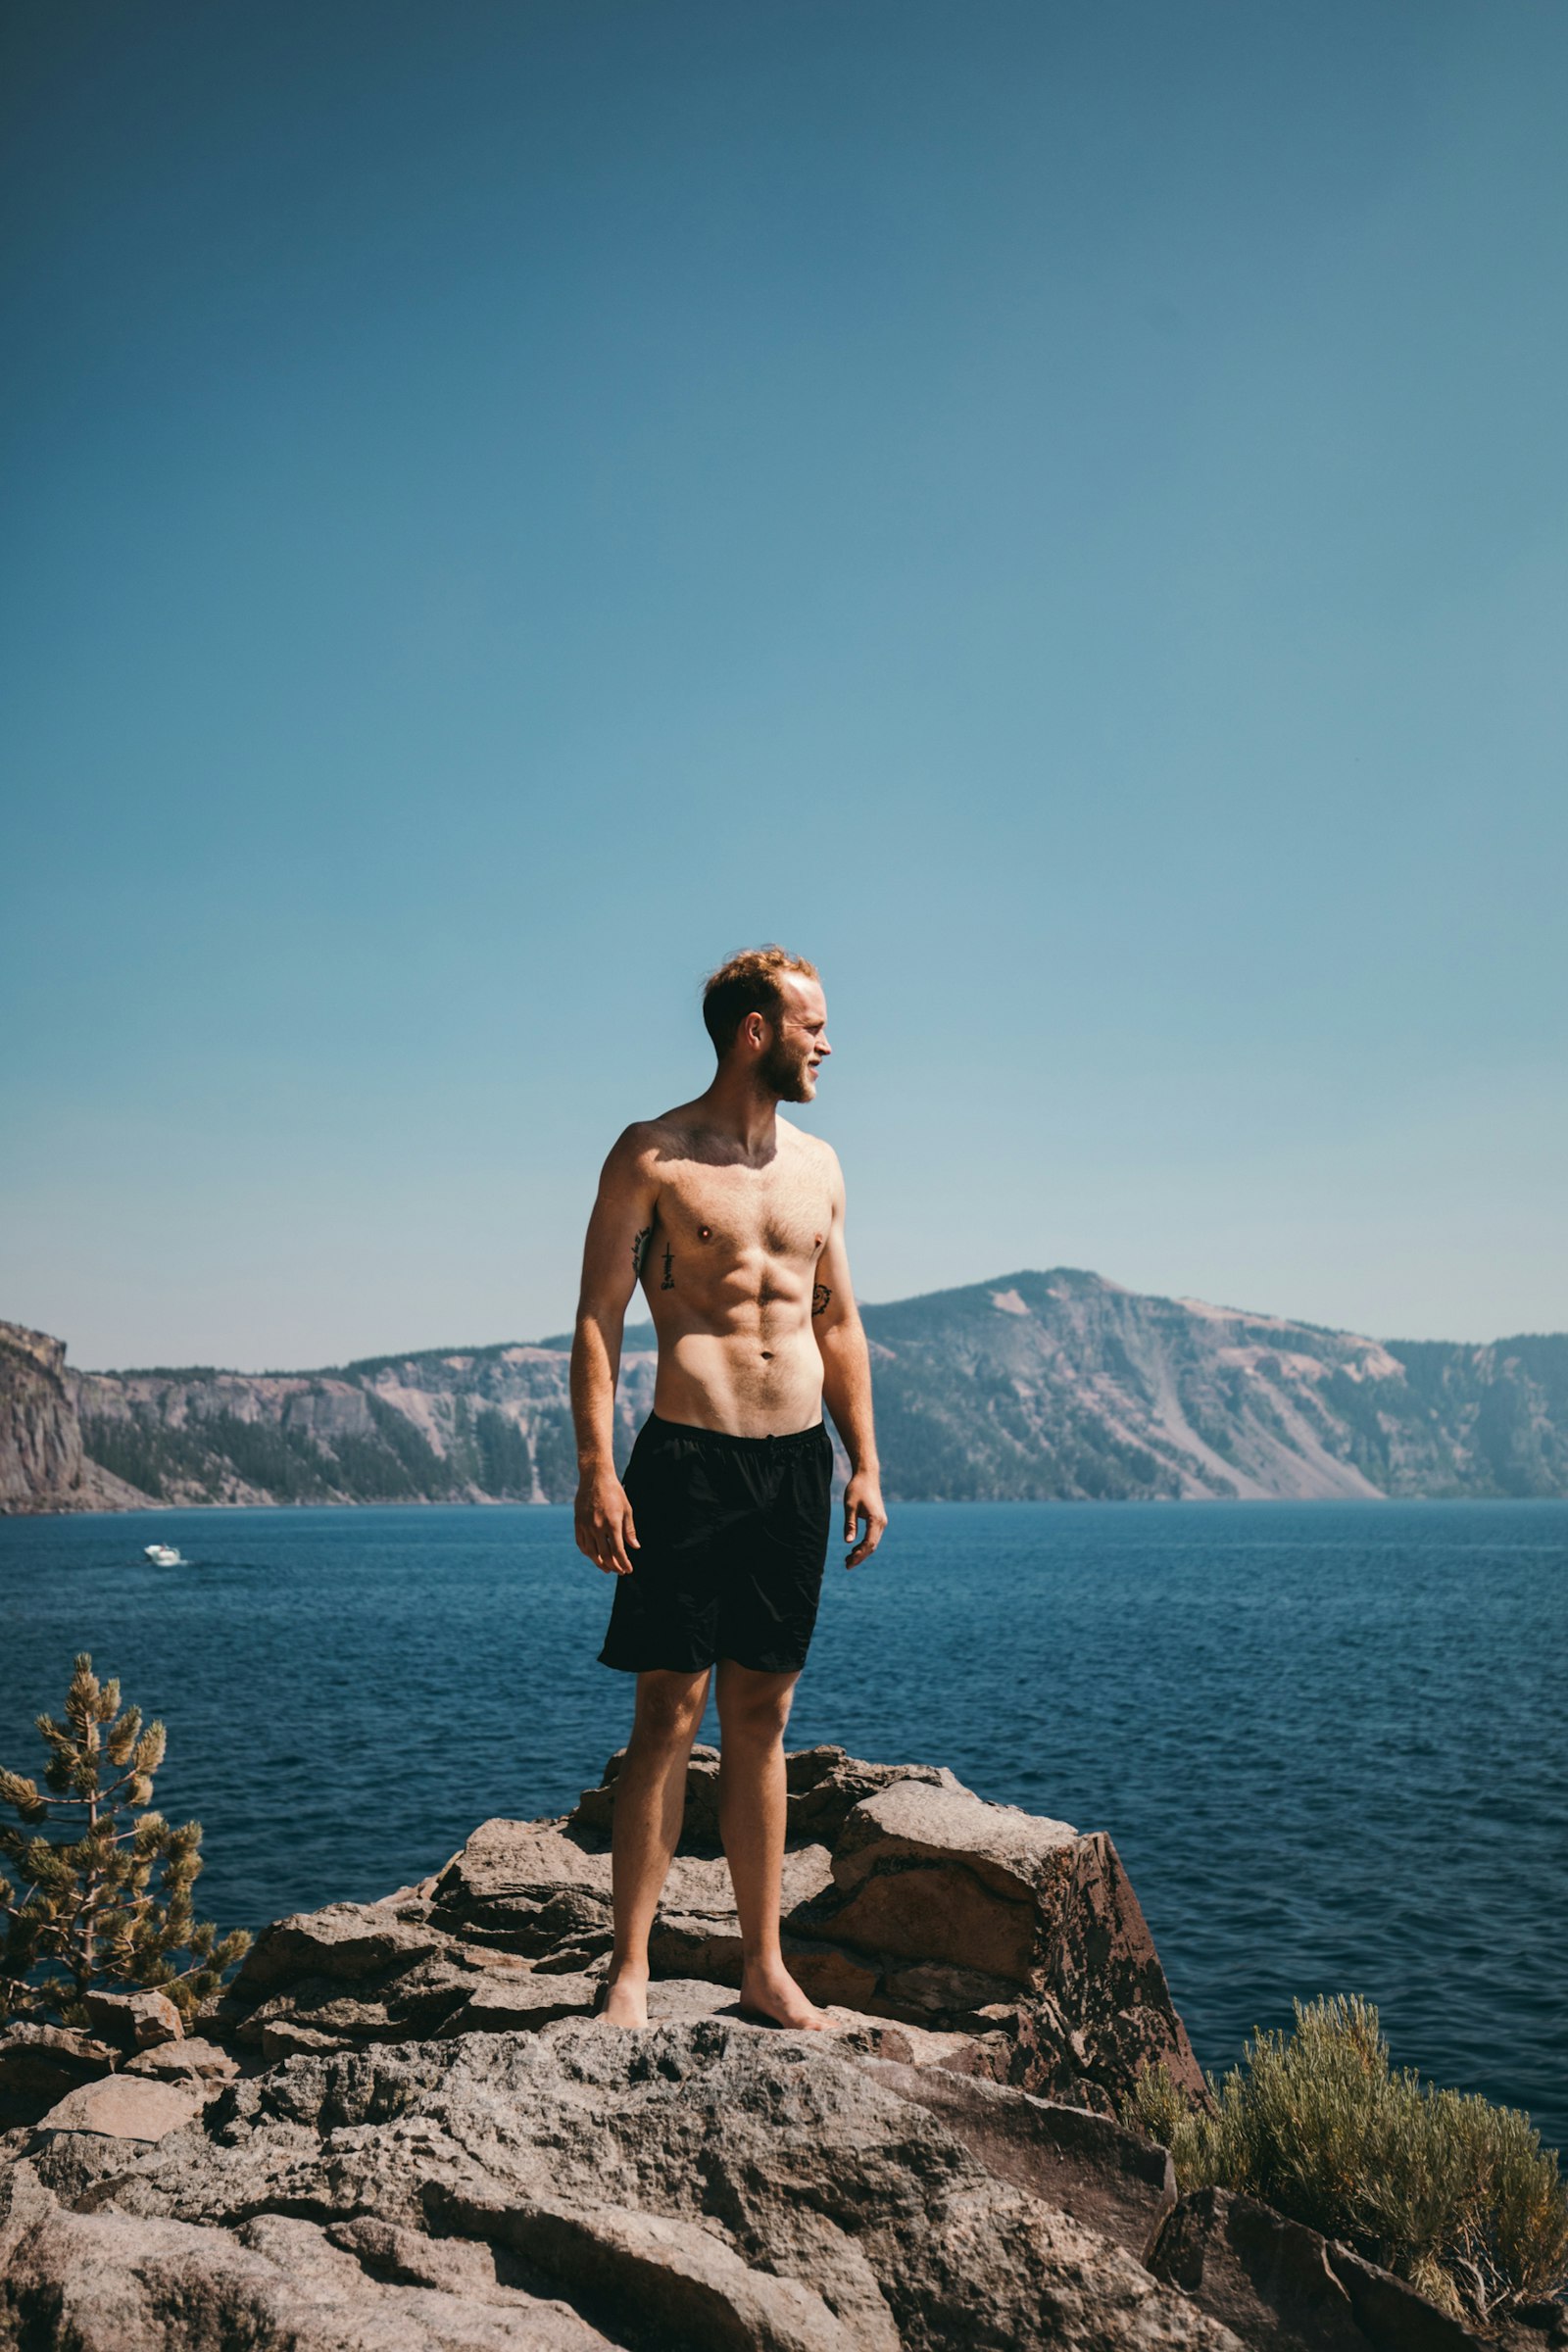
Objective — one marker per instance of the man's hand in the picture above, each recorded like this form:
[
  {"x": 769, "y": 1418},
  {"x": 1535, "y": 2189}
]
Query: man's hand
[
  {"x": 863, "y": 1503},
  {"x": 604, "y": 1524}
]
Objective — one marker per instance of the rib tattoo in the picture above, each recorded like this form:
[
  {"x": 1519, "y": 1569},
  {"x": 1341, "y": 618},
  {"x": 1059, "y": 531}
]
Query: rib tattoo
[
  {"x": 639, "y": 1248},
  {"x": 669, "y": 1283},
  {"x": 820, "y": 1295}
]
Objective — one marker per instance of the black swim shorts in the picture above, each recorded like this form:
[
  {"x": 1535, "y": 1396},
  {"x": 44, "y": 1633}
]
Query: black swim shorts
[{"x": 732, "y": 1538}]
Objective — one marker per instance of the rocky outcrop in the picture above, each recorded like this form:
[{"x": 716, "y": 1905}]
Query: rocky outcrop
[
  {"x": 707, "y": 2185},
  {"x": 43, "y": 1464},
  {"x": 402, "y": 2127},
  {"x": 1030, "y": 1386},
  {"x": 906, "y": 1898}
]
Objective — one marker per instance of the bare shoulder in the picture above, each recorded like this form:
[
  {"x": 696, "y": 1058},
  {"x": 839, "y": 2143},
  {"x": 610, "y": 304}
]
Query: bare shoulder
[
  {"x": 655, "y": 1149},
  {"x": 637, "y": 1148},
  {"x": 813, "y": 1154}
]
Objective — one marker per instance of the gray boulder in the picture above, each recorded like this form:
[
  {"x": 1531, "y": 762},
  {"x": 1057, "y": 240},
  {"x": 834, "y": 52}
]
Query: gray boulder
[
  {"x": 980, "y": 1912},
  {"x": 346, "y": 1940},
  {"x": 191, "y": 2059},
  {"x": 706, "y": 2184},
  {"x": 134, "y": 2021},
  {"x": 125, "y": 2107}
]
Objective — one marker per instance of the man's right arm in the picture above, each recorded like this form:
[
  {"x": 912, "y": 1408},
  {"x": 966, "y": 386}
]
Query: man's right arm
[{"x": 619, "y": 1234}]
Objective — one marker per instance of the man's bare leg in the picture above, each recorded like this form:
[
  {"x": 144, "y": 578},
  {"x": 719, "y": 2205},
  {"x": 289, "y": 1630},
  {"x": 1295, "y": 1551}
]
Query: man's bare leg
[
  {"x": 650, "y": 1799},
  {"x": 752, "y": 1711}
]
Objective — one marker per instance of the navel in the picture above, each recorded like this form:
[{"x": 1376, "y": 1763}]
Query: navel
[{"x": 704, "y": 1233}]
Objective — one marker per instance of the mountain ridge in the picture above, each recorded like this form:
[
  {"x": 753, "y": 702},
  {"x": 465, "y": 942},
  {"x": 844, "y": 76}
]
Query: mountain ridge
[{"x": 1032, "y": 1386}]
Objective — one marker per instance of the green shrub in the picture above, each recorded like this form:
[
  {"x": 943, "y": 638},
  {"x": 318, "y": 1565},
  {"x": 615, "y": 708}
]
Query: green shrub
[
  {"x": 1439, "y": 2186},
  {"x": 108, "y": 1905}
]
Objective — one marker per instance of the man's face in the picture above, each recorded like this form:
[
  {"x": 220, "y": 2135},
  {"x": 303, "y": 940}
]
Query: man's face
[{"x": 798, "y": 1043}]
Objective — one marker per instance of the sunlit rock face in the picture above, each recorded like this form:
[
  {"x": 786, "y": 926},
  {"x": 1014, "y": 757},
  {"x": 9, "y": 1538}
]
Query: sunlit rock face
[
  {"x": 403, "y": 2123},
  {"x": 43, "y": 1464}
]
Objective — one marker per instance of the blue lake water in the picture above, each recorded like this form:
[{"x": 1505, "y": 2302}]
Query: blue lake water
[{"x": 1330, "y": 1740}]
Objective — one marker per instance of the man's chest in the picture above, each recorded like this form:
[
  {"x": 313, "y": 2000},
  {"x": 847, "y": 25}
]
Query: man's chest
[{"x": 735, "y": 1212}]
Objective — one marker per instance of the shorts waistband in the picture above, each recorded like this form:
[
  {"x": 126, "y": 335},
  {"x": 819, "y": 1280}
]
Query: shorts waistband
[{"x": 723, "y": 1439}]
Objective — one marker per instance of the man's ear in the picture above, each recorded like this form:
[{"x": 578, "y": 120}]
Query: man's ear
[{"x": 755, "y": 1028}]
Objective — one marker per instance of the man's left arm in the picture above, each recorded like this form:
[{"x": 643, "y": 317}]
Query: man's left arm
[{"x": 846, "y": 1386}]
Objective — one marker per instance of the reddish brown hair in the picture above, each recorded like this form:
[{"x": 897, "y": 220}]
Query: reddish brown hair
[{"x": 747, "y": 983}]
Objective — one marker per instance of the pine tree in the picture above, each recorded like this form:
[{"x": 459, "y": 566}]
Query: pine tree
[{"x": 108, "y": 1904}]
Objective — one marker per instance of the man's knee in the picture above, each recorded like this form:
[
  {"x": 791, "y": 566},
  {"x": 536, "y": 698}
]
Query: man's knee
[
  {"x": 754, "y": 1708},
  {"x": 669, "y": 1709}
]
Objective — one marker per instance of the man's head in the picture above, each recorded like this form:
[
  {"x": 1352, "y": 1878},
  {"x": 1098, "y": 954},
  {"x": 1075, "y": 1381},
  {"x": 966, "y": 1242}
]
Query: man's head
[{"x": 765, "y": 1008}]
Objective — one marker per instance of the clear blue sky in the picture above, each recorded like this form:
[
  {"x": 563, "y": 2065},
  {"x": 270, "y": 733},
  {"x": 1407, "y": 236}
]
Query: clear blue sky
[{"x": 1056, "y": 511}]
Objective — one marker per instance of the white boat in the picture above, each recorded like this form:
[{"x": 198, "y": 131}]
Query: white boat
[{"x": 162, "y": 1555}]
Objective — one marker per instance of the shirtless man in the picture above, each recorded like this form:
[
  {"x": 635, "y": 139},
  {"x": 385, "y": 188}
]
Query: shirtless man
[{"x": 733, "y": 1220}]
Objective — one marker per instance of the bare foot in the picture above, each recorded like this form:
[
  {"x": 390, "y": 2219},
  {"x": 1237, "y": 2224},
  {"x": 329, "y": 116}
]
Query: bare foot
[
  {"x": 772, "y": 1993},
  {"x": 625, "y": 2000}
]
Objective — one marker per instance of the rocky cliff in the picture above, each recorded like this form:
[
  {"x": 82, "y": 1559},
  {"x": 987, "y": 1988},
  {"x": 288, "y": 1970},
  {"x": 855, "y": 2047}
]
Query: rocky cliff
[
  {"x": 404, "y": 2129},
  {"x": 1063, "y": 1383},
  {"x": 489, "y": 1424},
  {"x": 1032, "y": 1387},
  {"x": 43, "y": 1464}
]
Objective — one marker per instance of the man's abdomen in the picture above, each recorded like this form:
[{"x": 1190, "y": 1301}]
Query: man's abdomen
[{"x": 766, "y": 1384}]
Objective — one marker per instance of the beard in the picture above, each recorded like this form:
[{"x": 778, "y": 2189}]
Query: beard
[{"x": 785, "y": 1074}]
